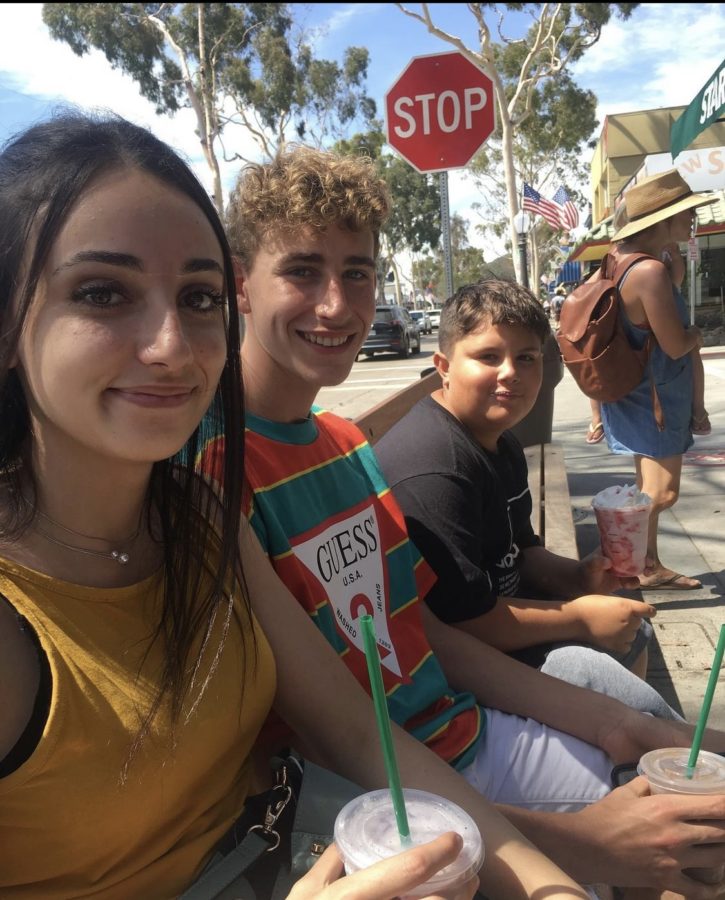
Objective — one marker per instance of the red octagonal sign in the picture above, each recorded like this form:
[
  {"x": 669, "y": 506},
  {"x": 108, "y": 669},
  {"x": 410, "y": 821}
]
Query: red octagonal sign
[{"x": 439, "y": 112}]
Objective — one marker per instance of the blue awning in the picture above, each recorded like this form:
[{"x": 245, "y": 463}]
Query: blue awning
[{"x": 569, "y": 273}]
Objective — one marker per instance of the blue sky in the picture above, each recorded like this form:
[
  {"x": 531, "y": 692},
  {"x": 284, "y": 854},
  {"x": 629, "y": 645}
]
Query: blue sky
[{"x": 661, "y": 56}]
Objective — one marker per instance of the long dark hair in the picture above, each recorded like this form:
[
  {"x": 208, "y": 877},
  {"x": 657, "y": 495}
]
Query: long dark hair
[{"x": 44, "y": 172}]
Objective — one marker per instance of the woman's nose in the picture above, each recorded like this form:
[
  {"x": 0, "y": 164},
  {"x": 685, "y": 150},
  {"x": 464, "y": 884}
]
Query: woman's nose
[{"x": 165, "y": 341}]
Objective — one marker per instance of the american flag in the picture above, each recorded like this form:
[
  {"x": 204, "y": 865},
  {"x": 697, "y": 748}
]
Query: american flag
[
  {"x": 569, "y": 215},
  {"x": 535, "y": 203}
]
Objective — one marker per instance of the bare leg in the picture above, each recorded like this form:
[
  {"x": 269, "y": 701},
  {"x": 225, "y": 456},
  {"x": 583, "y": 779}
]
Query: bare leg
[
  {"x": 700, "y": 420},
  {"x": 660, "y": 479},
  {"x": 595, "y": 431}
]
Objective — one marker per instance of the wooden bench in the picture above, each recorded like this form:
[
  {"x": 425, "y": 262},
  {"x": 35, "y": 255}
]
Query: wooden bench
[{"x": 551, "y": 515}]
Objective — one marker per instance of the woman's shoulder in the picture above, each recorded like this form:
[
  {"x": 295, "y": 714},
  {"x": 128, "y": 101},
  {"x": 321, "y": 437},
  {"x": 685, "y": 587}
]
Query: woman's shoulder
[
  {"x": 646, "y": 264},
  {"x": 647, "y": 275}
]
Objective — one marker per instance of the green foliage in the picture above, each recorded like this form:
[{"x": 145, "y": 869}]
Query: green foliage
[
  {"x": 245, "y": 53},
  {"x": 545, "y": 118},
  {"x": 469, "y": 265},
  {"x": 116, "y": 29},
  {"x": 414, "y": 222}
]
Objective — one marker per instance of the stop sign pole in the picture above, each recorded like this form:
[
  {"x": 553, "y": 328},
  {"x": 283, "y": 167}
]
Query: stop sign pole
[
  {"x": 446, "y": 232},
  {"x": 438, "y": 113}
]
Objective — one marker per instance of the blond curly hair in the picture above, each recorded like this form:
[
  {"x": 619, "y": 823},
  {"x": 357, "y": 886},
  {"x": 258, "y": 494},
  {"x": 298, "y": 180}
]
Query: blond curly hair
[{"x": 304, "y": 187}]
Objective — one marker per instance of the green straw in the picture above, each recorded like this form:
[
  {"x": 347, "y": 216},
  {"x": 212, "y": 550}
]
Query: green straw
[
  {"x": 386, "y": 738},
  {"x": 706, "y": 703}
]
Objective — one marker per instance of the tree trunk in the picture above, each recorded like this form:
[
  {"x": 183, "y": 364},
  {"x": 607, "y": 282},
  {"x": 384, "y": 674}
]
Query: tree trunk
[
  {"x": 203, "y": 106},
  {"x": 534, "y": 279}
]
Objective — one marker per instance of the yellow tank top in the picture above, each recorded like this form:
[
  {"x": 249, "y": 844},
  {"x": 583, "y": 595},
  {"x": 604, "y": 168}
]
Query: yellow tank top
[{"x": 69, "y": 827}]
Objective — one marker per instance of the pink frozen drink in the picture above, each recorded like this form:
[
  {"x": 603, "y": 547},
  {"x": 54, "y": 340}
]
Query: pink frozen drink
[
  {"x": 366, "y": 832},
  {"x": 623, "y": 520}
]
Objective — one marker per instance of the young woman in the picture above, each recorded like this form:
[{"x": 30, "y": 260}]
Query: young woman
[
  {"x": 134, "y": 675},
  {"x": 657, "y": 211}
]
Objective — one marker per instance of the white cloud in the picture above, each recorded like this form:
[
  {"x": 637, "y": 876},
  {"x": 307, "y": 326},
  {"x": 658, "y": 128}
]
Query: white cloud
[{"x": 661, "y": 56}]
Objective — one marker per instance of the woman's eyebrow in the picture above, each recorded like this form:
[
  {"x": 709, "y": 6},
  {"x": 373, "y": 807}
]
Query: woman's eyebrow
[
  {"x": 202, "y": 265},
  {"x": 102, "y": 256},
  {"x": 128, "y": 261}
]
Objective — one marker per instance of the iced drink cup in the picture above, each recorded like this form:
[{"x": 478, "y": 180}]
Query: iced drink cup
[
  {"x": 666, "y": 771},
  {"x": 366, "y": 832},
  {"x": 623, "y": 520}
]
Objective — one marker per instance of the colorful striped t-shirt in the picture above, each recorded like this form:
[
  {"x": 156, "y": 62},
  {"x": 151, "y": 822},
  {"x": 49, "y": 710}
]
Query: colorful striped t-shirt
[{"x": 322, "y": 510}]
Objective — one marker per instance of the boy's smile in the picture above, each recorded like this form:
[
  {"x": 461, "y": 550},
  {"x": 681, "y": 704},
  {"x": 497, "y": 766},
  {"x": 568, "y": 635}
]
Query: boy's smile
[
  {"x": 309, "y": 302},
  {"x": 491, "y": 379}
]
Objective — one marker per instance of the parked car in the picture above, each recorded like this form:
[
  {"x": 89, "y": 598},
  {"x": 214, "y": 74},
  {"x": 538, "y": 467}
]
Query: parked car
[
  {"x": 422, "y": 320},
  {"x": 392, "y": 330},
  {"x": 435, "y": 318}
]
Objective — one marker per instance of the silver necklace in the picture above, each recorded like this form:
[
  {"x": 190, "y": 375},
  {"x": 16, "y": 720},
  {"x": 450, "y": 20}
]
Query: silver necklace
[{"x": 122, "y": 557}]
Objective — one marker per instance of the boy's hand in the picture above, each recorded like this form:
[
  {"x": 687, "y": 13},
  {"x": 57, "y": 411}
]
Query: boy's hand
[
  {"x": 649, "y": 840},
  {"x": 610, "y": 622},
  {"x": 627, "y": 735},
  {"x": 597, "y": 577}
]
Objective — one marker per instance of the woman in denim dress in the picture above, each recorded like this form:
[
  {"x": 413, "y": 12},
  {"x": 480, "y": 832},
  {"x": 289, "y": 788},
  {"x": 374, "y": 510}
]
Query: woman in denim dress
[{"x": 657, "y": 212}]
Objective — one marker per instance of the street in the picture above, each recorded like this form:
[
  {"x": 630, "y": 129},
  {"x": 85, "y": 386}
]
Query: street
[{"x": 372, "y": 380}]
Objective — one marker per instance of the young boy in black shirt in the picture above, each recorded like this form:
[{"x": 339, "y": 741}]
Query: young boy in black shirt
[{"x": 461, "y": 480}]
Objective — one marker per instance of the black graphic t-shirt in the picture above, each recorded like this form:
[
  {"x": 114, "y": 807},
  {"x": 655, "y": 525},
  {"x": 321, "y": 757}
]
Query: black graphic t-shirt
[{"x": 467, "y": 510}]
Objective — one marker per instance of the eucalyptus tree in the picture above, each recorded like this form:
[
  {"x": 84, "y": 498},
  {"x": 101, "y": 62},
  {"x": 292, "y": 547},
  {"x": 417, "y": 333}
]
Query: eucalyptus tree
[
  {"x": 233, "y": 64},
  {"x": 558, "y": 35},
  {"x": 415, "y": 218},
  {"x": 547, "y": 153}
]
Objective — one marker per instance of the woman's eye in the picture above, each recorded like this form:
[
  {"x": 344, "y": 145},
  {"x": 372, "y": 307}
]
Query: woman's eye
[
  {"x": 100, "y": 295},
  {"x": 204, "y": 300}
]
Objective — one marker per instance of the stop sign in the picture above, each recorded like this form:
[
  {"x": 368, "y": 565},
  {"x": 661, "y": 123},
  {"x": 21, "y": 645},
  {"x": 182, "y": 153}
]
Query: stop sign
[{"x": 439, "y": 112}]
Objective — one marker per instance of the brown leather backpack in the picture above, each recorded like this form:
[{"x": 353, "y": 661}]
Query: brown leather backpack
[{"x": 593, "y": 343}]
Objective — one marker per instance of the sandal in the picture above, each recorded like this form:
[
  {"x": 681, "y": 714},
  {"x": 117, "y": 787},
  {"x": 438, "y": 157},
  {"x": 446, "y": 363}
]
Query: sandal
[
  {"x": 701, "y": 425},
  {"x": 595, "y": 433},
  {"x": 671, "y": 581}
]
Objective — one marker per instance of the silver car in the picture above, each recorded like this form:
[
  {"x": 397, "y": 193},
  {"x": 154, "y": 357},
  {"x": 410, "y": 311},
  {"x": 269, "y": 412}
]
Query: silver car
[{"x": 422, "y": 320}]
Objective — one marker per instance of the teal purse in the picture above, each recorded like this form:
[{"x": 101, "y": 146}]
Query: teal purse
[{"x": 279, "y": 837}]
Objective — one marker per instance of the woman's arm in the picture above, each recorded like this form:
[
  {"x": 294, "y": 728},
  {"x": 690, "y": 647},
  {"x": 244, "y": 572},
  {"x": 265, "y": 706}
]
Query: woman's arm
[
  {"x": 320, "y": 699},
  {"x": 647, "y": 296}
]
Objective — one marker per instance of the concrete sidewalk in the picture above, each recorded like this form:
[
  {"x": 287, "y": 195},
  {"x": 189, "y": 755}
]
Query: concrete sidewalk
[{"x": 691, "y": 538}]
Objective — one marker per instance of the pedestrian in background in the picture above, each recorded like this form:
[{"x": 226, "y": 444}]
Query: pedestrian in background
[{"x": 656, "y": 212}]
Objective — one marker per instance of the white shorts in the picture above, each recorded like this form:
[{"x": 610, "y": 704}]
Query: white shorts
[{"x": 524, "y": 763}]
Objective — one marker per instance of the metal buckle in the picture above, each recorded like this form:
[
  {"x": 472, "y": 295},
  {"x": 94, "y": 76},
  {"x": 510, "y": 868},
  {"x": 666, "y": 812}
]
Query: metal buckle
[{"x": 275, "y": 808}]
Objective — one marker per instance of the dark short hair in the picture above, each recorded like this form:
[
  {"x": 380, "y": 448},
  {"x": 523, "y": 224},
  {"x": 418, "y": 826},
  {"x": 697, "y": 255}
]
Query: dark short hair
[{"x": 489, "y": 303}]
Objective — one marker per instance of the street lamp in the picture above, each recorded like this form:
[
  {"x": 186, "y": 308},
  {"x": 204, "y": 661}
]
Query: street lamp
[{"x": 522, "y": 223}]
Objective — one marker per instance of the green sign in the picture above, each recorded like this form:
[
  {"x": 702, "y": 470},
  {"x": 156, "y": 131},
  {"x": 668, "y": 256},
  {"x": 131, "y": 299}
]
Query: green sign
[{"x": 706, "y": 108}]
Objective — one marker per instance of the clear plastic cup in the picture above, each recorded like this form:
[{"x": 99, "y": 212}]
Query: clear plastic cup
[
  {"x": 623, "y": 535},
  {"x": 366, "y": 832},
  {"x": 666, "y": 771}
]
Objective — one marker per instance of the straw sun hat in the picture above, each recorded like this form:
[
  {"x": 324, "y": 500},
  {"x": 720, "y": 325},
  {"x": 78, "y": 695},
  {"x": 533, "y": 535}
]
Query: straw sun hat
[{"x": 656, "y": 198}]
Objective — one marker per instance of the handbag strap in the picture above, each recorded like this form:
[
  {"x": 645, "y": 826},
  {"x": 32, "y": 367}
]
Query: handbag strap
[
  {"x": 221, "y": 874},
  {"x": 260, "y": 838}
]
